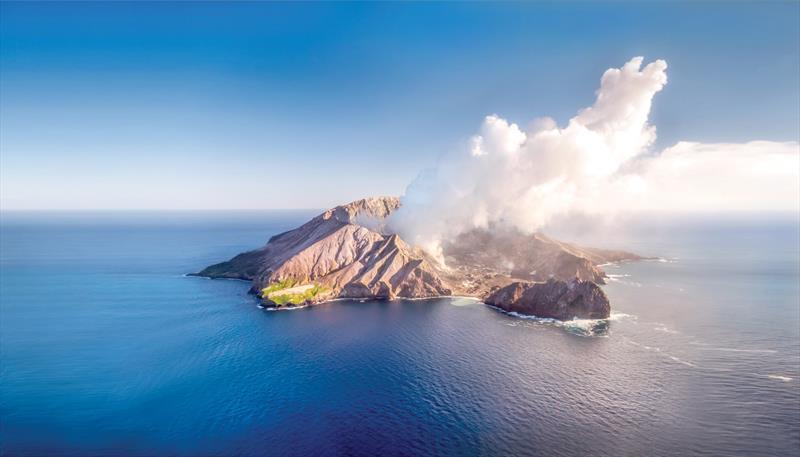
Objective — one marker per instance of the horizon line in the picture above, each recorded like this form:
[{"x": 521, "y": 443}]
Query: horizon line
[{"x": 184, "y": 210}]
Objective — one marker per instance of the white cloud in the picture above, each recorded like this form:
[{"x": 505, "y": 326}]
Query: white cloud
[
  {"x": 598, "y": 163},
  {"x": 759, "y": 175}
]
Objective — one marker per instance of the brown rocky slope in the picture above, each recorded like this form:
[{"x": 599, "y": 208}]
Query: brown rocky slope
[
  {"x": 554, "y": 299},
  {"x": 344, "y": 253}
]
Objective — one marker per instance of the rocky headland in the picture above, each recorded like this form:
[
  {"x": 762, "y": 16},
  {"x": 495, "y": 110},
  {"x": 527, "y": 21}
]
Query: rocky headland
[
  {"x": 553, "y": 299},
  {"x": 345, "y": 252}
]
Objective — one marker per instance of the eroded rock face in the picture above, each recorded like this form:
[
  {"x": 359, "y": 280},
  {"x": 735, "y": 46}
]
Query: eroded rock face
[
  {"x": 481, "y": 256},
  {"x": 343, "y": 251},
  {"x": 347, "y": 253},
  {"x": 563, "y": 300}
]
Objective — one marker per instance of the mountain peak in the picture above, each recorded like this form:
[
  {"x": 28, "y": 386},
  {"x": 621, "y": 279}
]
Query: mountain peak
[{"x": 366, "y": 208}]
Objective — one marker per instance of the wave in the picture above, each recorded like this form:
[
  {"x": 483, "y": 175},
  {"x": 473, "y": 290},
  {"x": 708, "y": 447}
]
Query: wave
[
  {"x": 283, "y": 308},
  {"x": 665, "y": 329},
  {"x": 621, "y": 316},
  {"x": 779, "y": 377},
  {"x": 665, "y": 354},
  {"x": 754, "y": 351},
  {"x": 662, "y": 260},
  {"x": 438, "y": 297},
  {"x": 644, "y": 346},
  {"x": 688, "y": 364},
  {"x": 580, "y": 327},
  {"x": 616, "y": 278},
  {"x": 675, "y": 359}
]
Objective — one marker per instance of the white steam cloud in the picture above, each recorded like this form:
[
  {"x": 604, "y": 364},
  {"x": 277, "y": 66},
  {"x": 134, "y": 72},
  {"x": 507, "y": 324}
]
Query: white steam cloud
[{"x": 598, "y": 163}]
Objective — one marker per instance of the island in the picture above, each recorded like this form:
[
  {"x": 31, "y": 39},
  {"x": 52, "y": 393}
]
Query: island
[{"x": 346, "y": 252}]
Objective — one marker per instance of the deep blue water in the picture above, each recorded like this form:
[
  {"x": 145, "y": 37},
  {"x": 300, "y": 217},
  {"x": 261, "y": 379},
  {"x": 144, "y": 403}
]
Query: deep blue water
[{"x": 107, "y": 349}]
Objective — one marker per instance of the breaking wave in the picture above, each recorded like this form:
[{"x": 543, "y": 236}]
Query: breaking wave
[
  {"x": 282, "y": 308},
  {"x": 615, "y": 278},
  {"x": 661, "y": 259},
  {"x": 580, "y": 327},
  {"x": 622, "y": 279},
  {"x": 663, "y": 328},
  {"x": 780, "y": 378}
]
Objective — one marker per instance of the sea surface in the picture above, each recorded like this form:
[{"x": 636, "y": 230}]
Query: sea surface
[{"x": 106, "y": 348}]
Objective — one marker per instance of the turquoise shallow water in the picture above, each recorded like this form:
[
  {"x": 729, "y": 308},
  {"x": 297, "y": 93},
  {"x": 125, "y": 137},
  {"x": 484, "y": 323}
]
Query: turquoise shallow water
[{"x": 107, "y": 349}]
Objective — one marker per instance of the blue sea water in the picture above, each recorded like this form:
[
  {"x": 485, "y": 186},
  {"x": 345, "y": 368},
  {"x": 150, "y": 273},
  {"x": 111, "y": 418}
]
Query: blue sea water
[{"x": 106, "y": 348}]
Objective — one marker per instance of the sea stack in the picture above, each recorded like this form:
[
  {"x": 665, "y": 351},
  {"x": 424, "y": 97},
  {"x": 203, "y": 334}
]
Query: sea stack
[{"x": 562, "y": 300}]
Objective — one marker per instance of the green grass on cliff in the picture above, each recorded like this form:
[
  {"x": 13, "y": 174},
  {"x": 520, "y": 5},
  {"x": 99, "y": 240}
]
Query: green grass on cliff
[
  {"x": 276, "y": 286},
  {"x": 290, "y": 298}
]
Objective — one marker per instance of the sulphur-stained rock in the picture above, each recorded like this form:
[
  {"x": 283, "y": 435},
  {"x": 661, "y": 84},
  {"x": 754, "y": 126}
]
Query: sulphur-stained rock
[{"x": 563, "y": 300}]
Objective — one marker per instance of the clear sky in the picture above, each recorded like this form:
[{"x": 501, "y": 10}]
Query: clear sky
[{"x": 255, "y": 105}]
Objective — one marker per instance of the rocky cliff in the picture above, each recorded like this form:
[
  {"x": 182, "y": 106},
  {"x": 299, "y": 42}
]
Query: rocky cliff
[
  {"x": 563, "y": 300},
  {"x": 345, "y": 253},
  {"x": 337, "y": 252}
]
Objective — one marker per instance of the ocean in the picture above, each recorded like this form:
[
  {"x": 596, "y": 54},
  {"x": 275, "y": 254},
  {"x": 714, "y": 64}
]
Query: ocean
[{"x": 107, "y": 348}]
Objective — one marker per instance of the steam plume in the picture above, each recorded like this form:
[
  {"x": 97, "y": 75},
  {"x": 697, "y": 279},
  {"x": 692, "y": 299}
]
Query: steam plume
[{"x": 598, "y": 163}]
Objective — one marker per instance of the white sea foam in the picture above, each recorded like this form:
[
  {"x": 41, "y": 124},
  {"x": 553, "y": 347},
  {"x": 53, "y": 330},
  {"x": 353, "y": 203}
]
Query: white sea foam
[
  {"x": 621, "y": 316},
  {"x": 688, "y": 364},
  {"x": 643, "y": 346},
  {"x": 616, "y": 278},
  {"x": 283, "y": 308},
  {"x": 664, "y": 260},
  {"x": 437, "y": 297},
  {"x": 619, "y": 279},
  {"x": 754, "y": 351},
  {"x": 544, "y": 320},
  {"x": 581, "y": 327},
  {"x": 588, "y": 327},
  {"x": 780, "y": 378},
  {"x": 665, "y": 329},
  {"x": 711, "y": 368}
]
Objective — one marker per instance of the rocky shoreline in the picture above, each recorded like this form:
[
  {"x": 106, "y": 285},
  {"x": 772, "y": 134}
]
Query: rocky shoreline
[{"x": 337, "y": 256}]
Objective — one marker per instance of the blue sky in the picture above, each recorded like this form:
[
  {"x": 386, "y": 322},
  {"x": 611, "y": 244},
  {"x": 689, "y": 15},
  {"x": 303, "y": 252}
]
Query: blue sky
[{"x": 256, "y": 105}]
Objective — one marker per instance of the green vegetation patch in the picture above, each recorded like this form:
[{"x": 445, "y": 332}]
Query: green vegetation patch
[
  {"x": 276, "y": 286},
  {"x": 273, "y": 293}
]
